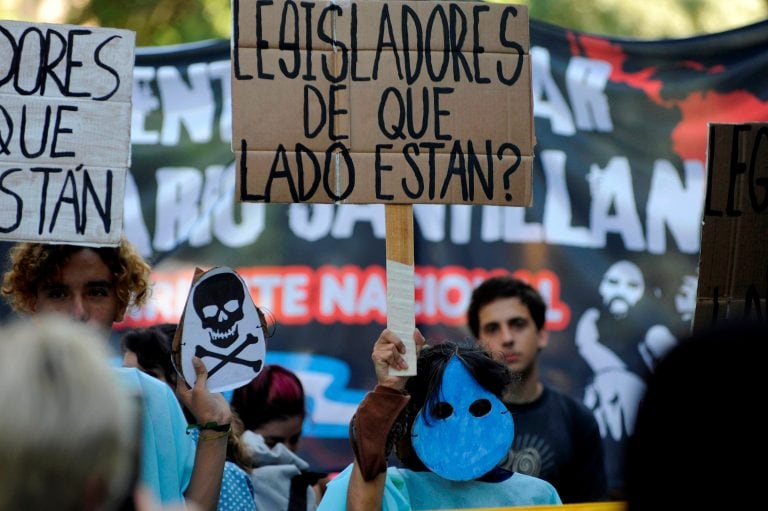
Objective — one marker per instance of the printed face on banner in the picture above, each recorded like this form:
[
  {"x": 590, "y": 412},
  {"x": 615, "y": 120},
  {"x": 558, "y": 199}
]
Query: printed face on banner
[
  {"x": 222, "y": 326},
  {"x": 622, "y": 287},
  {"x": 467, "y": 433}
]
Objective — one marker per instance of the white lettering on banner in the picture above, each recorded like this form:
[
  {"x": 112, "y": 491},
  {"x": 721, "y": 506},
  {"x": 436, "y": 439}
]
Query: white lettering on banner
[
  {"x": 431, "y": 220},
  {"x": 507, "y": 225},
  {"x": 548, "y": 101},
  {"x": 677, "y": 205},
  {"x": 196, "y": 209},
  {"x": 193, "y": 102},
  {"x": 182, "y": 102},
  {"x": 461, "y": 223},
  {"x": 557, "y": 208},
  {"x": 612, "y": 190},
  {"x": 310, "y": 222},
  {"x": 196, "y": 206},
  {"x": 133, "y": 223},
  {"x": 349, "y": 294},
  {"x": 217, "y": 213},
  {"x": 585, "y": 80},
  {"x": 180, "y": 188},
  {"x": 349, "y": 216},
  {"x": 144, "y": 102}
]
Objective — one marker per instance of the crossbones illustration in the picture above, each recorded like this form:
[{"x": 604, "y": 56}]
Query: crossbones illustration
[
  {"x": 232, "y": 357},
  {"x": 223, "y": 327}
]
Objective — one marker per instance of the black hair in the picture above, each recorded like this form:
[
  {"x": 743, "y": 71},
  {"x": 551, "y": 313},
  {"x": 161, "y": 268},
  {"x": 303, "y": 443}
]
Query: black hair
[
  {"x": 152, "y": 347},
  {"x": 505, "y": 286}
]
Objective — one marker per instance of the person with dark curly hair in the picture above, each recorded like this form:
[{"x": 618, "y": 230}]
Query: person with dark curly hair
[
  {"x": 448, "y": 427},
  {"x": 97, "y": 285},
  {"x": 91, "y": 284}
]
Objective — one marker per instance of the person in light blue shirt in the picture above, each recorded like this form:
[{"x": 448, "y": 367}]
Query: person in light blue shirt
[
  {"x": 96, "y": 285},
  {"x": 449, "y": 429},
  {"x": 150, "y": 350}
]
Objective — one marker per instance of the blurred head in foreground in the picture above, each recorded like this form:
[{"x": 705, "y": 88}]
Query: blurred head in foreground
[
  {"x": 700, "y": 427},
  {"x": 67, "y": 431}
]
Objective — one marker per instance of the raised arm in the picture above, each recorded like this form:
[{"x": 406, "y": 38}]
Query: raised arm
[
  {"x": 373, "y": 421},
  {"x": 211, "y": 452}
]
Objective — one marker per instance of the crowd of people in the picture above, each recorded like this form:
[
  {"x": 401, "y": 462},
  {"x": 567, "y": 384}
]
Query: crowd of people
[{"x": 475, "y": 427}]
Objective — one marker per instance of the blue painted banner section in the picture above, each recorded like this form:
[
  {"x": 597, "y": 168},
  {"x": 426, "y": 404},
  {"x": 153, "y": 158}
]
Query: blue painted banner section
[{"x": 330, "y": 404}]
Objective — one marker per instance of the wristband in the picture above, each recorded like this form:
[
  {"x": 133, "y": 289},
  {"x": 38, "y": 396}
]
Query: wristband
[
  {"x": 210, "y": 426},
  {"x": 217, "y": 435}
]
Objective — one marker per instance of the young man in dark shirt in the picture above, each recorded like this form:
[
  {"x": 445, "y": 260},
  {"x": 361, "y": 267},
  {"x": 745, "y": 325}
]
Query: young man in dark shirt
[{"x": 556, "y": 438}]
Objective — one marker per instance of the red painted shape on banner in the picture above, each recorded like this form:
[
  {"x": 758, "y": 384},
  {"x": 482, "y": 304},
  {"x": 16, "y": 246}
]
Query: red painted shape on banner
[{"x": 689, "y": 136}]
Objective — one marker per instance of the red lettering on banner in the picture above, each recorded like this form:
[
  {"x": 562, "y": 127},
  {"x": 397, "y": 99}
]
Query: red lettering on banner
[
  {"x": 351, "y": 295},
  {"x": 284, "y": 293},
  {"x": 298, "y": 295}
]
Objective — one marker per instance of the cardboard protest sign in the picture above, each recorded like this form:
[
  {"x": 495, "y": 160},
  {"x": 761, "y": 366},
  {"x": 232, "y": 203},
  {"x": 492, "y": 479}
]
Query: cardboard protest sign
[
  {"x": 382, "y": 102},
  {"x": 65, "y": 117},
  {"x": 221, "y": 326},
  {"x": 733, "y": 264}
]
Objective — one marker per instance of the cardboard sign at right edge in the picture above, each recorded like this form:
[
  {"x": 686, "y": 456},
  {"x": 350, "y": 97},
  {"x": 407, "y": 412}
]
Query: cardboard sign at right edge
[
  {"x": 733, "y": 262},
  {"x": 477, "y": 150}
]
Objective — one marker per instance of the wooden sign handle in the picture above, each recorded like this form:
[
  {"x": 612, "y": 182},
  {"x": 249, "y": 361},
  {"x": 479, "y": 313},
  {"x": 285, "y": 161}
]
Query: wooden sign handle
[{"x": 401, "y": 307}]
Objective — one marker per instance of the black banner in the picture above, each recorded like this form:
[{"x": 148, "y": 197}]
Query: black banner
[{"x": 612, "y": 238}]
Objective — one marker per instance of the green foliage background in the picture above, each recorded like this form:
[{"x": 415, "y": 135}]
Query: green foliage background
[{"x": 163, "y": 22}]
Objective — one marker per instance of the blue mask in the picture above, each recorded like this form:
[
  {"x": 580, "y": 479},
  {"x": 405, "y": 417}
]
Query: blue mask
[{"x": 468, "y": 431}]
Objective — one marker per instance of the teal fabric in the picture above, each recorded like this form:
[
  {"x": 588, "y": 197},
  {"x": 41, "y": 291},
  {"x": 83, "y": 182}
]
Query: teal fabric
[
  {"x": 167, "y": 452},
  {"x": 407, "y": 490}
]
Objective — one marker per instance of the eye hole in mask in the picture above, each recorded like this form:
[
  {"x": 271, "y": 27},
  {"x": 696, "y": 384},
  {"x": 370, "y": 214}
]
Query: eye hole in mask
[
  {"x": 480, "y": 407},
  {"x": 442, "y": 410}
]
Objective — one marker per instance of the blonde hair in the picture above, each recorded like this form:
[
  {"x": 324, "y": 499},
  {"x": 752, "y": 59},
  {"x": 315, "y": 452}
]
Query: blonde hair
[{"x": 66, "y": 425}]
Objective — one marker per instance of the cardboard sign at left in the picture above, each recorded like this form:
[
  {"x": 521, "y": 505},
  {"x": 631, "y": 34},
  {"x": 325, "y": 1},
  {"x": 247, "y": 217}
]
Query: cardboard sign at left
[
  {"x": 65, "y": 132},
  {"x": 223, "y": 327}
]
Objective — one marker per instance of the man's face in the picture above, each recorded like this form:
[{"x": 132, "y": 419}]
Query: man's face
[
  {"x": 621, "y": 288},
  {"x": 84, "y": 290},
  {"x": 508, "y": 332}
]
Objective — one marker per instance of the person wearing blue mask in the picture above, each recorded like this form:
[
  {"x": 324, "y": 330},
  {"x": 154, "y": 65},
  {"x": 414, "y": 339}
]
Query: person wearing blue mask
[{"x": 448, "y": 427}]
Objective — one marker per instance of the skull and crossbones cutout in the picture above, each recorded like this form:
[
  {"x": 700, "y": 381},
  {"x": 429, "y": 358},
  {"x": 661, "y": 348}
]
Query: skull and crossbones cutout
[{"x": 223, "y": 327}]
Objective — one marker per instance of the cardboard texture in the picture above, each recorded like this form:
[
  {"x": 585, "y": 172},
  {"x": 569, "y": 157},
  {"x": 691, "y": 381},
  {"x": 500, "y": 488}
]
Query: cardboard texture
[
  {"x": 390, "y": 102},
  {"x": 65, "y": 132},
  {"x": 733, "y": 263}
]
